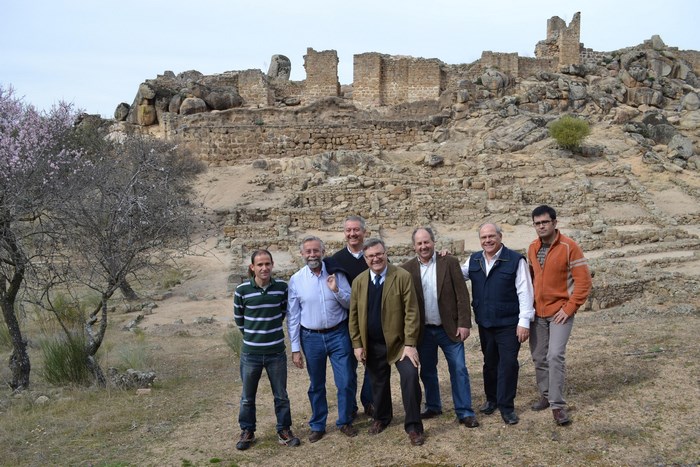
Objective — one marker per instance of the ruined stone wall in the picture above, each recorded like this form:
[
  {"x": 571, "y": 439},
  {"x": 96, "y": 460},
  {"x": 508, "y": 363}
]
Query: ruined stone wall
[
  {"x": 529, "y": 66},
  {"x": 367, "y": 79},
  {"x": 321, "y": 74},
  {"x": 383, "y": 80},
  {"x": 692, "y": 57},
  {"x": 240, "y": 134},
  {"x": 505, "y": 62},
  {"x": 590, "y": 56},
  {"x": 569, "y": 42},
  {"x": 254, "y": 89}
]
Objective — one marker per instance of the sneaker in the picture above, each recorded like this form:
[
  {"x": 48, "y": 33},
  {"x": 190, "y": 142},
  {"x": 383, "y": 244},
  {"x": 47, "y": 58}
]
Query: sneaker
[
  {"x": 246, "y": 440},
  {"x": 286, "y": 438}
]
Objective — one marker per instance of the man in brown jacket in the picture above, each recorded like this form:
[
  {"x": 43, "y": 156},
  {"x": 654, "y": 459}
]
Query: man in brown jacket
[
  {"x": 384, "y": 329},
  {"x": 445, "y": 312}
]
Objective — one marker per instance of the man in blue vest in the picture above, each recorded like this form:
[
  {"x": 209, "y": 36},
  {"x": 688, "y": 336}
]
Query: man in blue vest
[{"x": 502, "y": 300}]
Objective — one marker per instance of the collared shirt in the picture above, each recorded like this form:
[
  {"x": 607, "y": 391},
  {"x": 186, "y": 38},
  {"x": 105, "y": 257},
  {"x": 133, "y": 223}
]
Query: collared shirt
[
  {"x": 357, "y": 255},
  {"x": 382, "y": 275},
  {"x": 428, "y": 279},
  {"x": 311, "y": 303},
  {"x": 523, "y": 286}
]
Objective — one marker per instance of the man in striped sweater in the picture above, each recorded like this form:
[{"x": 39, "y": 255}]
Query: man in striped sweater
[
  {"x": 259, "y": 308},
  {"x": 562, "y": 282}
]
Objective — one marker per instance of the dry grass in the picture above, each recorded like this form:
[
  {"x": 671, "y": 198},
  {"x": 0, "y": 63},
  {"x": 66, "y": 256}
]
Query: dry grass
[{"x": 633, "y": 387}]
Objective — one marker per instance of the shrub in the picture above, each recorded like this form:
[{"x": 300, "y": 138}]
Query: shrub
[
  {"x": 136, "y": 355},
  {"x": 569, "y": 131},
  {"x": 234, "y": 339},
  {"x": 65, "y": 360}
]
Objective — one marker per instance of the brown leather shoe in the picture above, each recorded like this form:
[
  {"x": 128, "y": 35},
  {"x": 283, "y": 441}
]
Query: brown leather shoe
[
  {"x": 376, "y": 428},
  {"x": 469, "y": 421},
  {"x": 417, "y": 439},
  {"x": 348, "y": 430},
  {"x": 315, "y": 436},
  {"x": 561, "y": 417},
  {"x": 541, "y": 404}
]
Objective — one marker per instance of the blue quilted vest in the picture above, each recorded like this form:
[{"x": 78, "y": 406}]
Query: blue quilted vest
[{"x": 494, "y": 297}]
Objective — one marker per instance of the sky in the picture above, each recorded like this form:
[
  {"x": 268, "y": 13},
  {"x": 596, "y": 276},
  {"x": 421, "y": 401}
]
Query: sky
[{"x": 95, "y": 53}]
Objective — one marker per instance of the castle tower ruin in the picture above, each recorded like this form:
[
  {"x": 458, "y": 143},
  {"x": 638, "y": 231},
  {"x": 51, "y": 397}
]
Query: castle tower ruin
[
  {"x": 321, "y": 74},
  {"x": 563, "y": 42}
]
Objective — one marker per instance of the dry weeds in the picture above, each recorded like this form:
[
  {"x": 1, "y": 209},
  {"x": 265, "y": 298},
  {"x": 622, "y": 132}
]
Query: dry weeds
[{"x": 634, "y": 376}]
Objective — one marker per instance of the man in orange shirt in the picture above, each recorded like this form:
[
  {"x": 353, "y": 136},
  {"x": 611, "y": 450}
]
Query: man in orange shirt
[{"x": 562, "y": 282}]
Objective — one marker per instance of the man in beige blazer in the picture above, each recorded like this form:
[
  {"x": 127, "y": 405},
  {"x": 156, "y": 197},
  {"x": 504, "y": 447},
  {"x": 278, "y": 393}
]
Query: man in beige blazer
[{"x": 384, "y": 329}]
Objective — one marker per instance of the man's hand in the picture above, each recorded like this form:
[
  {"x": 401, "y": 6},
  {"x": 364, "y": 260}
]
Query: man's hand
[
  {"x": 360, "y": 355},
  {"x": 444, "y": 252},
  {"x": 560, "y": 317},
  {"x": 412, "y": 354},
  {"x": 462, "y": 333},
  {"x": 522, "y": 333},
  {"x": 297, "y": 359},
  {"x": 332, "y": 283}
]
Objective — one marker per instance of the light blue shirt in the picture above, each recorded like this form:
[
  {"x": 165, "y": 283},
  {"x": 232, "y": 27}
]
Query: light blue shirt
[{"x": 311, "y": 303}]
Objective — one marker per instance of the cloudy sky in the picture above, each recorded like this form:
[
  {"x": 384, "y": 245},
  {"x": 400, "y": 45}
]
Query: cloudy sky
[{"x": 95, "y": 53}]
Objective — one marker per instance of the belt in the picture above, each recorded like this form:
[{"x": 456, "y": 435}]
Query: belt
[{"x": 324, "y": 331}]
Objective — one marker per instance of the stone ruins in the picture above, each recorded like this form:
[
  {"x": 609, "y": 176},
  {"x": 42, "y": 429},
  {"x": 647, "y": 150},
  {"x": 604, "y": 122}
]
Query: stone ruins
[{"x": 416, "y": 141}]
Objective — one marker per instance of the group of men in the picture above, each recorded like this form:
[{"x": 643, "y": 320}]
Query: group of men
[{"x": 356, "y": 306}]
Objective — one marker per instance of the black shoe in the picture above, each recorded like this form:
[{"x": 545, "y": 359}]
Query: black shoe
[
  {"x": 469, "y": 421},
  {"x": 510, "y": 418},
  {"x": 246, "y": 440},
  {"x": 488, "y": 408},
  {"x": 430, "y": 413}
]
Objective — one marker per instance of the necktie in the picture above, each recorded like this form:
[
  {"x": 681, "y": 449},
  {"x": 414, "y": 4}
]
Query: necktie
[{"x": 377, "y": 280}]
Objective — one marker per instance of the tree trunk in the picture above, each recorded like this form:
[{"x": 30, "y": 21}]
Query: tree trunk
[
  {"x": 96, "y": 371},
  {"x": 127, "y": 291},
  {"x": 19, "y": 359}
]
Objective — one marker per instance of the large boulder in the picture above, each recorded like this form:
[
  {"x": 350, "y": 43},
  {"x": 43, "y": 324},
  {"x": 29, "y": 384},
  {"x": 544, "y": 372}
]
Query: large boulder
[
  {"x": 280, "y": 68},
  {"x": 121, "y": 112},
  {"x": 222, "y": 100},
  {"x": 690, "y": 101},
  {"x": 193, "y": 105}
]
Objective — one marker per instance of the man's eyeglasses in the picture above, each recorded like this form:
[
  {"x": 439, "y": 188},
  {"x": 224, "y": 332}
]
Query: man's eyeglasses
[
  {"x": 376, "y": 255},
  {"x": 539, "y": 223}
]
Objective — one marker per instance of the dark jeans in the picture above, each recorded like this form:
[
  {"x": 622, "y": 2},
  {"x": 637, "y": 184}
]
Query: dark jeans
[
  {"x": 251, "y": 370},
  {"x": 500, "y": 347}
]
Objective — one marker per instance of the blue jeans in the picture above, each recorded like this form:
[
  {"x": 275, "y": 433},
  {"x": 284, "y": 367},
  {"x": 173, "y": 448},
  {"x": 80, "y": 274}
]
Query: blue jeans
[
  {"x": 318, "y": 349},
  {"x": 434, "y": 337},
  {"x": 251, "y": 369}
]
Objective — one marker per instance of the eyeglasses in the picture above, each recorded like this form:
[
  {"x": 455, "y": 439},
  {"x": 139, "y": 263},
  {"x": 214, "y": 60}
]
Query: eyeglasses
[
  {"x": 539, "y": 223},
  {"x": 376, "y": 255}
]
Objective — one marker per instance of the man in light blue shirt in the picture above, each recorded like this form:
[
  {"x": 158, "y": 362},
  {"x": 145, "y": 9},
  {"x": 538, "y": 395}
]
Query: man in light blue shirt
[{"x": 318, "y": 324}]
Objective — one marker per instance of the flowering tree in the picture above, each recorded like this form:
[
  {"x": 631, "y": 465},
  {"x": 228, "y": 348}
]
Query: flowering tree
[
  {"x": 36, "y": 166},
  {"x": 130, "y": 211}
]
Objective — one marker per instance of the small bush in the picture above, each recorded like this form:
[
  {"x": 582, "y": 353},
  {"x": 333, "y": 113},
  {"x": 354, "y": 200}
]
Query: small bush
[
  {"x": 569, "y": 132},
  {"x": 65, "y": 360},
  {"x": 234, "y": 339},
  {"x": 136, "y": 355},
  {"x": 171, "y": 278}
]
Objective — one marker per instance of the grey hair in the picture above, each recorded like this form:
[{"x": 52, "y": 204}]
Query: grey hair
[
  {"x": 311, "y": 238},
  {"x": 427, "y": 229},
  {"x": 359, "y": 219},
  {"x": 499, "y": 231},
  {"x": 370, "y": 242}
]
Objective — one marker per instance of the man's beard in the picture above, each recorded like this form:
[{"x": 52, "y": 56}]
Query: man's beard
[{"x": 313, "y": 263}]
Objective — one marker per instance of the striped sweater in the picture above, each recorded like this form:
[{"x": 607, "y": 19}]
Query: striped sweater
[
  {"x": 564, "y": 281},
  {"x": 259, "y": 314}
]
